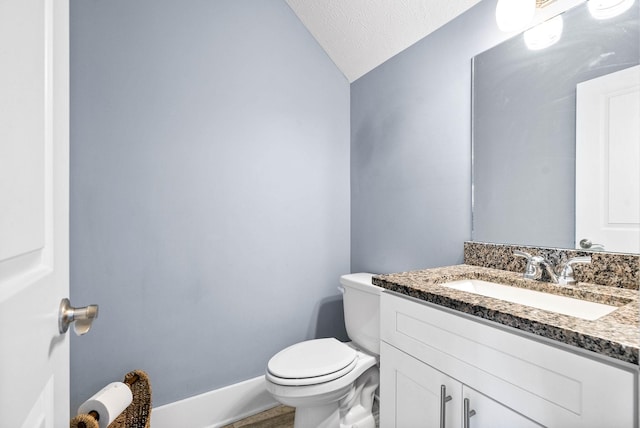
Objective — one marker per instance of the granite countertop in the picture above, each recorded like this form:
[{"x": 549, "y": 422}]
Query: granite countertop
[{"x": 616, "y": 335}]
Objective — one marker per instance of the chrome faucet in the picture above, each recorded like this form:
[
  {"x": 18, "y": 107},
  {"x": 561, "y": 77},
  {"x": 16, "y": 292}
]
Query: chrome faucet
[
  {"x": 561, "y": 274},
  {"x": 534, "y": 265}
]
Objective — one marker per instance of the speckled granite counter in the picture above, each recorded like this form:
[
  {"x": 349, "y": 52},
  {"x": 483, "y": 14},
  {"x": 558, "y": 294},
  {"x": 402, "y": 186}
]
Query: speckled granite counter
[
  {"x": 613, "y": 269},
  {"x": 615, "y": 335}
]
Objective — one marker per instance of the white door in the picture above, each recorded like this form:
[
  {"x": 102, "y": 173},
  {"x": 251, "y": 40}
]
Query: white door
[
  {"x": 608, "y": 161},
  {"x": 34, "y": 276}
]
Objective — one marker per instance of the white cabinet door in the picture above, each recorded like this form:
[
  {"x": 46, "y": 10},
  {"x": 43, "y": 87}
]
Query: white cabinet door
[
  {"x": 412, "y": 393},
  {"x": 34, "y": 271},
  {"x": 491, "y": 414},
  {"x": 415, "y": 395}
]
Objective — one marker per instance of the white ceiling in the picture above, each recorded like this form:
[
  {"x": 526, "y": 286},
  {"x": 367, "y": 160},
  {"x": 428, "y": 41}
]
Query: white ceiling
[{"x": 359, "y": 35}]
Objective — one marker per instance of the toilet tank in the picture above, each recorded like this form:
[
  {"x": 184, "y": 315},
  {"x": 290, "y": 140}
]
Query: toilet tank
[{"x": 362, "y": 310}]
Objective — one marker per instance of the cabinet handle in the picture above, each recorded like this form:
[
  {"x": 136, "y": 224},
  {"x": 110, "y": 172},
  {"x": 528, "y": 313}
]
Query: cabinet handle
[
  {"x": 467, "y": 413},
  {"x": 444, "y": 399}
]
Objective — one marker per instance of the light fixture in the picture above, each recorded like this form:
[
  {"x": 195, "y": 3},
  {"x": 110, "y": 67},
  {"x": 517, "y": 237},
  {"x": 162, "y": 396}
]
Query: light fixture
[
  {"x": 605, "y": 9},
  {"x": 544, "y": 34},
  {"x": 513, "y": 15}
]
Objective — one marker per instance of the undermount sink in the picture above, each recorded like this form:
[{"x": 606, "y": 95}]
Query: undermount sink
[{"x": 537, "y": 299}]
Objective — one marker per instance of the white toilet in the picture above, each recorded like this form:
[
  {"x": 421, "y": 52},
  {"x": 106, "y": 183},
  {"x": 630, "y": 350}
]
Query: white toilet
[{"x": 330, "y": 383}]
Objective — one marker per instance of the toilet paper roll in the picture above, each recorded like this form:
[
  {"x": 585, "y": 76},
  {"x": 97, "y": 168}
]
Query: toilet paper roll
[{"x": 109, "y": 402}]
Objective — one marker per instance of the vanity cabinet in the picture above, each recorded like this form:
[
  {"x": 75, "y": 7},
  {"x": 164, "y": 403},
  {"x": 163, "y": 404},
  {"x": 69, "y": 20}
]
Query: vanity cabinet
[
  {"x": 508, "y": 379},
  {"x": 417, "y": 395}
]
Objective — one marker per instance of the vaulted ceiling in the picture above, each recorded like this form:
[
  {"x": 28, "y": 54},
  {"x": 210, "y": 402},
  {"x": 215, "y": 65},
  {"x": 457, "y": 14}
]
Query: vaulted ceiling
[{"x": 359, "y": 35}]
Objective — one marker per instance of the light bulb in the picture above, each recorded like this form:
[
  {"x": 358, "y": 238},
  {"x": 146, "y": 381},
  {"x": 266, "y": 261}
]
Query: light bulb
[
  {"x": 605, "y": 9},
  {"x": 545, "y": 34},
  {"x": 512, "y": 15}
]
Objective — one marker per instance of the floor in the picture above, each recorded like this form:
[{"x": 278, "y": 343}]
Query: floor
[{"x": 279, "y": 417}]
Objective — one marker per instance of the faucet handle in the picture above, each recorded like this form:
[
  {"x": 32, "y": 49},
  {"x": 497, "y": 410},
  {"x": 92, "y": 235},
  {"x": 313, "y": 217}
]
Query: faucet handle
[
  {"x": 579, "y": 259},
  {"x": 521, "y": 254},
  {"x": 565, "y": 276},
  {"x": 534, "y": 265}
]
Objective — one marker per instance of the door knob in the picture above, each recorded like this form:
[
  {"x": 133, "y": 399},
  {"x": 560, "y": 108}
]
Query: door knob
[
  {"x": 588, "y": 245},
  {"x": 81, "y": 317}
]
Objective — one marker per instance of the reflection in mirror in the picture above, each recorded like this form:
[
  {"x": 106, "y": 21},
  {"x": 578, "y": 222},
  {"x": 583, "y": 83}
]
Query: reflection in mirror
[
  {"x": 524, "y": 128},
  {"x": 608, "y": 161}
]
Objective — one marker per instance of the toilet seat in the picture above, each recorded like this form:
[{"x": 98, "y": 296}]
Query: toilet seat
[
  {"x": 311, "y": 362},
  {"x": 297, "y": 395}
]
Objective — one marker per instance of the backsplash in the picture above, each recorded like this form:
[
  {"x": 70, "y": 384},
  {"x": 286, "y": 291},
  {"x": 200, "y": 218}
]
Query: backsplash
[{"x": 610, "y": 269}]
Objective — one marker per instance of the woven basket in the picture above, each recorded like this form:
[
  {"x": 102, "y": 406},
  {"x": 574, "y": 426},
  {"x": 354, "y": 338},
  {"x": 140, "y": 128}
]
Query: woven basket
[{"x": 136, "y": 415}]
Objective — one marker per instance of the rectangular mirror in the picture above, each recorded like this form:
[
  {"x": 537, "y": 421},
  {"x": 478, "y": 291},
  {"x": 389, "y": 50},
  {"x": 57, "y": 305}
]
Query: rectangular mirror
[{"x": 524, "y": 132}]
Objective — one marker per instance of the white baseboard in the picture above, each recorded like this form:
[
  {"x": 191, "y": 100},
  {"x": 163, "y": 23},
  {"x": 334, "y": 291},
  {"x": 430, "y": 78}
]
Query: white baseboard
[{"x": 216, "y": 408}]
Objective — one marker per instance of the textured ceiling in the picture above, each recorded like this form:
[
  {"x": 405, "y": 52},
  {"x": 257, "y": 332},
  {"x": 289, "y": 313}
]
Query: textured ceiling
[{"x": 359, "y": 35}]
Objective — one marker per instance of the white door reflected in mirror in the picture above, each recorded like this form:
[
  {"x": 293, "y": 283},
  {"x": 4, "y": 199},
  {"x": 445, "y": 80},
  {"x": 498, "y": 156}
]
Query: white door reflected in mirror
[{"x": 608, "y": 161}]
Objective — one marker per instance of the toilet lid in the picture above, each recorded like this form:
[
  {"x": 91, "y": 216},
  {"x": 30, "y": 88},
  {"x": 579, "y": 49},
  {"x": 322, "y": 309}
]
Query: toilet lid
[{"x": 313, "y": 359}]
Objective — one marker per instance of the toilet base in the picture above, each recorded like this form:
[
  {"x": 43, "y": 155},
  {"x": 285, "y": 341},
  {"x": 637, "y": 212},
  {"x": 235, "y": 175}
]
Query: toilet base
[
  {"x": 357, "y": 408},
  {"x": 327, "y": 416},
  {"x": 353, "y": 410}
]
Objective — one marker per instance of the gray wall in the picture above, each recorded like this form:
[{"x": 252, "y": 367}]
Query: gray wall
[
  {"x": 411, "y": 149},
  {"x": 209, "y": 190}
]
